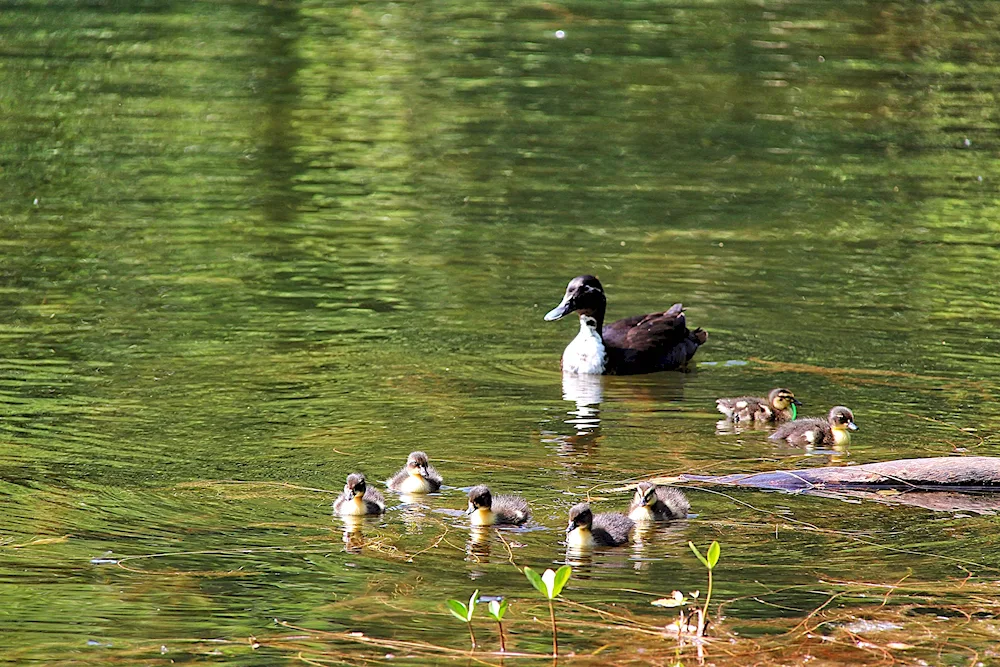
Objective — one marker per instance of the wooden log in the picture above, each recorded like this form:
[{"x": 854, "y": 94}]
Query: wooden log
[{"x": 944, "y": 472}]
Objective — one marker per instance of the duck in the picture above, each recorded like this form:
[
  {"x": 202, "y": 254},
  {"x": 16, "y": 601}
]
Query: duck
[
  {"x": 630, "y": 346},
  {"x": 834, "y": 430},
  {"x": 652, "y": 502},
  {"x": 485, "y": 509},
  {"x": 359, "y": 499},
  {"x": 585, "y": 529},
  {"x": 417, "y": 476},
  {"x": 779, "y": 406}
]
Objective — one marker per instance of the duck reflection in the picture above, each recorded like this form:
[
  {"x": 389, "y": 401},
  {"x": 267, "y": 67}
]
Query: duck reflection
[
  {"x": 413, "y": 513},
  {"x": 354, "y": 538},
  {"x": 586, "y": 392},
  {"x": 479, "y": 545}
]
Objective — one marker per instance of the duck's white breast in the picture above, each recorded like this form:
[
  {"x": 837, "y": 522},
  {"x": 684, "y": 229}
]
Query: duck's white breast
[{"x": 585, "y": 353}]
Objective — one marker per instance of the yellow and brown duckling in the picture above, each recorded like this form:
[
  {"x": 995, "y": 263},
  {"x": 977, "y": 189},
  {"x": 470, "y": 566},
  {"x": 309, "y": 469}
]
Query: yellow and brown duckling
[
  {"x": 586, "y": 529},
  {"x": 417, "y": 476},
  {"x": 834, "y": 430},
  {"x": 657, "y": 503},
  {"x": 358, "y": 499},
  {"x": 485, "y": 509},
  {"x": 779, "y": 406}
]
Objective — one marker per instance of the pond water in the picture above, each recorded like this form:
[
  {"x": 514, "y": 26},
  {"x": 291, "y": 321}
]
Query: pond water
[{"x": 250, "y": 247}]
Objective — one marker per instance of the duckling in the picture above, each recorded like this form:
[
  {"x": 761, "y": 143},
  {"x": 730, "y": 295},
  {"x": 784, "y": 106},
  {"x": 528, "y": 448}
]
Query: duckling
[
  {"x": 657, "y": 503},
  {"x": 638, "y": 344},
  {"x": 485, "y": 509},
  {"x": 610, "y": 529},
  {"x": 358, "y": 498},
  {"x": 779, "y": 406},
  {"x": 834, "y": 430},
  {"x": 417, "y": 476}
]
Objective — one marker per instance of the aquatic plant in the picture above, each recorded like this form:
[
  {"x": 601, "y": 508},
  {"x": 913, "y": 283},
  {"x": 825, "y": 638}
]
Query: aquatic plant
[
  {"x": 550, "y": 584},
  {"x": 464, "y": 612},
  {"x": 496, "y": 609},
  {"x": 709, "y": 560}
]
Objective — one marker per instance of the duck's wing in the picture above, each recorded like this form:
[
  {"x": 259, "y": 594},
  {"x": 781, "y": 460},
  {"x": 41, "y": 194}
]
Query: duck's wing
[
  {"x": 648, "y": 332},
  {"x": 798, "y": 428},
  {"x": 740, "y": 408},
  {"x": 373, "y": 497}
]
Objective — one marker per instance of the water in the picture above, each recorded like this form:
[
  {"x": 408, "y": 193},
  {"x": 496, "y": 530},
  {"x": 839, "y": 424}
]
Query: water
[{"x": 251, "y": 247}]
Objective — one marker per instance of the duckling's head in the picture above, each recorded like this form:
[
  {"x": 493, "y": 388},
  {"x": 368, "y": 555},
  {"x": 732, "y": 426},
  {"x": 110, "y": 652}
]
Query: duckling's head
[
  {"x": 843, "y": 419},
  {"x": 645, "y": 495},
  {"x": 781, "y": 399},
  {"x": 584, "y": 294},
  {"x": 479, "y": 498},
  {"x": 356, "y": 485},
  {"x": 580, "y": 516},
  {"x": 416, "y": 464}
]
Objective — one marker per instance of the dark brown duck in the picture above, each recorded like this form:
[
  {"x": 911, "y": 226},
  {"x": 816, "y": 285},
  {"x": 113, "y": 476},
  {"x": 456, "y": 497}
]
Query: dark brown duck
[{"x": 633, "y": 345}]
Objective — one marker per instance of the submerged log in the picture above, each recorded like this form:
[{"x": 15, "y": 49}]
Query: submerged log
[
  {"x": 944, "y": 472},
  {"x": 947, "y": 483}
]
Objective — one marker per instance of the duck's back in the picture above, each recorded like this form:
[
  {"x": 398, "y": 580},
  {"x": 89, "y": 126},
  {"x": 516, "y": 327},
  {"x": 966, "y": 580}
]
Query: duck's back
[
  {"x": 670, "y": 503},
  {"x": 611, "y": 529},
  {"x": 650, "y": 343},
  {"x": 810, "y": 431},
  {"x": 745, "y": 408},
  {"x": 511, "y": 509}
]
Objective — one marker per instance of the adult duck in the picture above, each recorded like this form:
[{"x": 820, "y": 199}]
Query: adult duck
[{"x": 638, "y": 344}]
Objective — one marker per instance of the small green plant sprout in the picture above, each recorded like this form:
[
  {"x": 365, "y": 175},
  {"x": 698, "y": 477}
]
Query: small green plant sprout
[
  {"x": 709, "y": 560},
  {"x": 464, "y": 612},
  {"x": 550, "y": 584},
  {"x": 496, "y": 609}
]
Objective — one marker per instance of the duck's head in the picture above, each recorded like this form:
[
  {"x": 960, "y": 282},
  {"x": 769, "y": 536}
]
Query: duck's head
[
  {"x": 580, "y": 516},
  {"x": 781, "y": 399},
  {"x": 584, "y": 294},
  {"x": 645, "y": 494},
  {"x": 479, "y": 498},
  {"x": 842, "y": 418},
  {"x": 416, "y": 464},
  {"x": 356, "y": 485}
]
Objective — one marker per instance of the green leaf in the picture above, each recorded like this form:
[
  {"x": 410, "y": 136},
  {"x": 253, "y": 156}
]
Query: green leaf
[
  {"x": 713, "y": 554},
  {"x": 459, "y": 610},
  {"x": 497, "y": 609},
  {"x": 472, "y": 604},
  {"x": 562, "y": 576},
  {"x": 536, "y": 581},
  {"x": 698, "y": 554}
]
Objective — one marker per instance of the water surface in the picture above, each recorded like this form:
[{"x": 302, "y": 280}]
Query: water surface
[{"x": 251, "y": 247}]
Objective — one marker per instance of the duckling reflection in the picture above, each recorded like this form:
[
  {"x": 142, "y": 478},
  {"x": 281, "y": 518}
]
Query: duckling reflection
[
  {"x": 479, "y": 544},
  {"x": 417, "y": 476},
  {"x": 485, "y": 509},
  {"x": 358, "y": 499},
  {"x": 354, "y": 538}
]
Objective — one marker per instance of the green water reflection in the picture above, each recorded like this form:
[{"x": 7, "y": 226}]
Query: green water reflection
[{"x": 251, "y": 247}]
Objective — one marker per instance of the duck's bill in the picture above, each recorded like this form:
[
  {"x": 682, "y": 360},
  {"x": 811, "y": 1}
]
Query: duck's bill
[
  {"x": 470, "y": 509},
  {"x": 570, "y": 527},
  {"x": 796, "y": 401},
  {"x": 560, "y": 311},
  {"x": 852, "y": 426}
]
